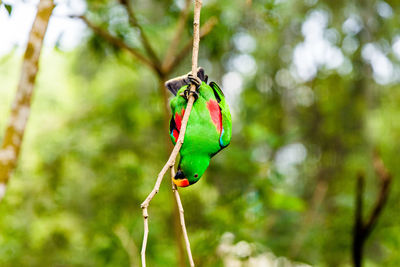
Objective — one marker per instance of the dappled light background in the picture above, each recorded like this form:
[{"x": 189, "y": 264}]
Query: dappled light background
[{"x": 313, "y": 88}]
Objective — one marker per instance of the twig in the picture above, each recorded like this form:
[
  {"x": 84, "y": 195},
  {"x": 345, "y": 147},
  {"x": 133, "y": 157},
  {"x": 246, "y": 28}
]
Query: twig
[
  {"x": 145, "y": 41},
  {"x": 180, "y": 252},
  {"x": 171, "y": 161},
  {"x": 182, "y": 219},
  {"x": 20, "y": 109},
  {"x": 118, "y": 42},
  {"x": 362, "y": 230},
  {"x": 170, "y": 164},
  {"x": 206, "y": 29}
]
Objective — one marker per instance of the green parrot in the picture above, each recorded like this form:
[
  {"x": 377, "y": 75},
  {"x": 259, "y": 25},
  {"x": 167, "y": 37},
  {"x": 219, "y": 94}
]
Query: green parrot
[{"x": 209, "y": 128}]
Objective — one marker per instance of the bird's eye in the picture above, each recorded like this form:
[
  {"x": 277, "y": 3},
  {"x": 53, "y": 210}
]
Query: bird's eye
[{"x": 196, "y": 175}]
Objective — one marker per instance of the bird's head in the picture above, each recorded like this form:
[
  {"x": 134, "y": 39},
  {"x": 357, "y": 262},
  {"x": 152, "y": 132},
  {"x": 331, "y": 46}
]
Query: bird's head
[{"x": 190, "y": 170}]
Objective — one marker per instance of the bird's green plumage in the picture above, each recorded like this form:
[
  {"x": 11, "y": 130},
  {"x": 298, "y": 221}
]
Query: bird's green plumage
[{"x": 208, "y": 131}]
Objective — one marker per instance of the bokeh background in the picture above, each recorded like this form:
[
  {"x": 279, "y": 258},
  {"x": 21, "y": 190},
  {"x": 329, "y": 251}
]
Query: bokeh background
[{"x": 313, "y": 88}]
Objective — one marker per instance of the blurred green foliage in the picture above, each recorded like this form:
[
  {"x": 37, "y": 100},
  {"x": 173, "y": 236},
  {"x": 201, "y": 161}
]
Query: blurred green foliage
[{"x": 285, "y": 185}]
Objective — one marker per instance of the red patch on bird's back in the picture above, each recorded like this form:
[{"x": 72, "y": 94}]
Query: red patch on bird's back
[
  {"x": 175, "y": 134},
  {"x": 178, "y": 119},
  {"x": 215, "y": 113}
]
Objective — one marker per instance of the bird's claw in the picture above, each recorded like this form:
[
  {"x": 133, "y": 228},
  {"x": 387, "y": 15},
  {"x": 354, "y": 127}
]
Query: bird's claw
[
  {"x": 194, "y": 80},
  {"x": 186, "y": 94}
]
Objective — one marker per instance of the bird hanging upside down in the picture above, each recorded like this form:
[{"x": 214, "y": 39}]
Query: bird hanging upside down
[{"x": 209, "y": 128}]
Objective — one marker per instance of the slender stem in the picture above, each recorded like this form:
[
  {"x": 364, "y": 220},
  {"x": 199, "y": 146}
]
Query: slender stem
[
  {"x": 171, "y": 161},
  {"x": 170, "y": 164},
  {"x": 204, "y": 30},
  {"x": 21, "y": 106},
  {"x": 168, "y": 145},
  {"x": 182, "y": 219},
  {"x": 196, "y": 38}
]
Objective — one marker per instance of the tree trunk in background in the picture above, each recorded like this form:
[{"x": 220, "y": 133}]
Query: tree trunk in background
[{"x": 20, "y": 109}]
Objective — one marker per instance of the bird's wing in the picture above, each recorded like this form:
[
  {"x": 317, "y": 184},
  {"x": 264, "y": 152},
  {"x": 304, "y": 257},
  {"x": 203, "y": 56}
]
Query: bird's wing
[{"x": 226, "y": 132}]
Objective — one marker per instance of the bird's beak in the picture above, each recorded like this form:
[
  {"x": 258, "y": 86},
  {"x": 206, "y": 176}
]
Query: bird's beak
[
  {"x": 180, "y": 179},
  {"x": 181, "y": 182}
]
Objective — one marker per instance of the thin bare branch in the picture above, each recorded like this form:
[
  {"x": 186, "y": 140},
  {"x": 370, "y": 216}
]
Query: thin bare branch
[
  {"x": 118, "y": 42},
  {"x": 196, "y": 40},
  {"x": 180, "y": 252},
  {"x": 170, "y": 164},
  {"x": 171, "y": 161},
  {"x": 171, "y": 51},
  {"x": 145, "y": 41},
  {"x": 205, "y": 29},
  {"x": 182, "y": 219},
  {"x": 21, "y": 106}
]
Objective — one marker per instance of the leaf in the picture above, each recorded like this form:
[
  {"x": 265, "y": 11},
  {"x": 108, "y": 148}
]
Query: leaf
[{"x": 9, "y": 8}]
